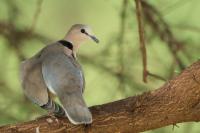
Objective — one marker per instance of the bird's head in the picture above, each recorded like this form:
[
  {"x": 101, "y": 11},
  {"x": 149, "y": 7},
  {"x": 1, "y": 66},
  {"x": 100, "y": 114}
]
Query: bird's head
[{"x": 80, "y": 33}]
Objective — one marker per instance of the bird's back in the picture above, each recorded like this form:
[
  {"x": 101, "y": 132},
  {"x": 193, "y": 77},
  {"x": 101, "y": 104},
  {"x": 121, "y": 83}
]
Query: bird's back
[
  {"x": 61, "y": 71},
  {"x": 64, "y": 76}
]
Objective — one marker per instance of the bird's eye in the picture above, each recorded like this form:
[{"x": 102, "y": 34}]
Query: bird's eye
[{"x": 82, "y": 30}]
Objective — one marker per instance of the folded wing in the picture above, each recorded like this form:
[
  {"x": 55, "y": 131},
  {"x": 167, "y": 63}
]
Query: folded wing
[{"x": 63, "y": 75}]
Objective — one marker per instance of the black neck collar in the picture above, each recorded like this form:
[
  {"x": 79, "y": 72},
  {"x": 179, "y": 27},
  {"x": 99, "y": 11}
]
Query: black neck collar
[{"x": 66, "y": 44}]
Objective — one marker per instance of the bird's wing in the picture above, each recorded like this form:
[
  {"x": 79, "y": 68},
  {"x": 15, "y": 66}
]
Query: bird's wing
[
  {"x": 83, "y": 80},
  {"x": 62, "y": 74},
  {"x": 82, "y": 74},
  {"x": 32, "y": 81}
]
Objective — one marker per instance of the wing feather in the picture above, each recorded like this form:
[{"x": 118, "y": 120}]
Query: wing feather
[{"x": 32, "y": 80}]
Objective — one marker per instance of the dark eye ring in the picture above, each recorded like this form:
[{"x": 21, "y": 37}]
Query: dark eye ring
[{"x": 82, "y": 30}]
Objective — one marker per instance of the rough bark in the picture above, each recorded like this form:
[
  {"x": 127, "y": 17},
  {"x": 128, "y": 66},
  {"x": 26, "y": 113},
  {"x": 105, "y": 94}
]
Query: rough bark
[{"x": 176, "y": 101}]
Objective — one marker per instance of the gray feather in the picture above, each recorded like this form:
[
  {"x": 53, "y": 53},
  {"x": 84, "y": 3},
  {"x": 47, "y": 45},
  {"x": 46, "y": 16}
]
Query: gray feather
[
  {"x": 32, "y": 80},
  {"x": 64, "y": 75}
]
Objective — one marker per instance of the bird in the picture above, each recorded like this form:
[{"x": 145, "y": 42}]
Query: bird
[{"x": 55, "y": 70}]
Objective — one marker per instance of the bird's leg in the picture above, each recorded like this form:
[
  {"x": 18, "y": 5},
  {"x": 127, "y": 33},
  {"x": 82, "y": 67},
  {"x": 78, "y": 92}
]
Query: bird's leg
[{"x": 87, "y": 128}]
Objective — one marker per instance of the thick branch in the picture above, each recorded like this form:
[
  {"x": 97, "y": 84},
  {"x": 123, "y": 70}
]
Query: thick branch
[{"x": 176, "y": 101}]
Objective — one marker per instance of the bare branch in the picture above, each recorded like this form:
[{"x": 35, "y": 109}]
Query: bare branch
[
  {"x": 156, "y": 76},
  {"x": 121, "y": 45},
  {"x": 36, "y": 15},
  {"x": 142, "y": 38},
  {"x": 162, "y": 29}
]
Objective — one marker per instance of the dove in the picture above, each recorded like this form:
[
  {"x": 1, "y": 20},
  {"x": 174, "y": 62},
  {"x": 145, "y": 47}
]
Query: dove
[{"x": 56, "y": 70}]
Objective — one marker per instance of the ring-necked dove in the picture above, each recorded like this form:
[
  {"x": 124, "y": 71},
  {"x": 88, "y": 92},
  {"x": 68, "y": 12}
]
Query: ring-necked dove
[{"x": 55, "y": 70}]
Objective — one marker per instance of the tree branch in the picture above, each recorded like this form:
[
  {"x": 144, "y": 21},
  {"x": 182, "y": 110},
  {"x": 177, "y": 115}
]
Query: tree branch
[
  {"x": 142, "y": 38},
  {"x": 36, "y": 15},
  {"x": 176, "y": 101},
  {"x": 163, "y": 30}
]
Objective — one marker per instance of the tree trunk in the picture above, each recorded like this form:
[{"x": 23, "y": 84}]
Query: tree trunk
[{"x": 176, "y": 101}]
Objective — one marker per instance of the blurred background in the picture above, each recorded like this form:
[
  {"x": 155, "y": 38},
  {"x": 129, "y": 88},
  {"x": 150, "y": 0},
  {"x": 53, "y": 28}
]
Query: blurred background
[{"x": 113, "y": 69}]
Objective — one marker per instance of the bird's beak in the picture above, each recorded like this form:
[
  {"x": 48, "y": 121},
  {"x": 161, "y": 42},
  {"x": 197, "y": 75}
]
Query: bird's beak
[{"x": 94, "y": 38}]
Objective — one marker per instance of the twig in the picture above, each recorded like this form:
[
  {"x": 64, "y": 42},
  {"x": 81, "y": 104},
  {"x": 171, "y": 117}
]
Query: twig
[
  {"x": 13, "y": 11},
  {"x": 156, "y": 76},
  {"x": 142, "y": 38},
  {"x": 187, "y": 27},
  {"x": 175, "y": 6},
  {"x": 120, "y": 74},
  {"x": 36, "y": 15},
  {"x": 162, "y": 29}
]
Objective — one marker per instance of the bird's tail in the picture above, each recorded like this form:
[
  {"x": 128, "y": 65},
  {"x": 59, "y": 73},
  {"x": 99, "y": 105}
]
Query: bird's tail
[
  {"x": 76, "y": 109},
  {"x": 51, "y": 106}
]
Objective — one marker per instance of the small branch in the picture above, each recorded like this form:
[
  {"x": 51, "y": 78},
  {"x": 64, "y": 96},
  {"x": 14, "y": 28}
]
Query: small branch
[
  {"x": 175, "y": 102},
  {"x": 183, "y": 27},
  {"x": 142, "y": 38},
  {"x": 36, "y": 15},
  {"x": 156, "y": 76},
  {"x": 162, "y": 29},
  {"x": 121, "y": 37}
]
